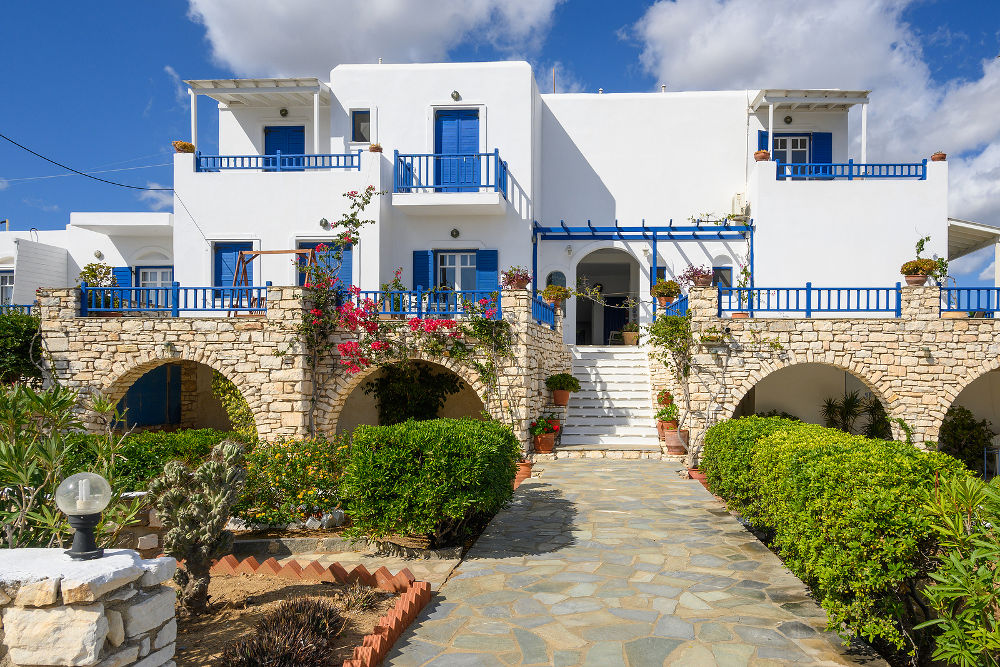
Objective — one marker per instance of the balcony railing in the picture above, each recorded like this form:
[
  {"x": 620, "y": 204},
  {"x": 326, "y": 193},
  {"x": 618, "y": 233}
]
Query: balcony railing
[
  {"x": 423, "y": 303},
  {"x": 277, "y": 162},
  {"x": 678, "y": 307},
  {"x": 21, "y": 309},
  {"x": 441, "y": 172},
  {"x": 543, "y": 312},
  {"x": 172, "y": 301},
  {"x": 851, "y": 170},
  {"x": 976, "y": 301},
  {"x": 810, "y": 300}
]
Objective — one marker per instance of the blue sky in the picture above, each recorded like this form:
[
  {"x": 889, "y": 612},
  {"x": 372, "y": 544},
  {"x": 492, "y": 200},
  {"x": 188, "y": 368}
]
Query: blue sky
[{"x": 93, "y": 87}]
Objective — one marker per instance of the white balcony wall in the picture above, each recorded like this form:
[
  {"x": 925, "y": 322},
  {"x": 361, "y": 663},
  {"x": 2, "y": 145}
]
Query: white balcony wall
[
  {"x": 241, "y": 129},
  {"x": 803, "y": 122},
  {"x": 840, "y": 233},
  {"x": 273, "y": 210}
]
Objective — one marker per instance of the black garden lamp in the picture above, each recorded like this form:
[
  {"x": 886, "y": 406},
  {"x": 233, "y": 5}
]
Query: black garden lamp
[{"x": 83, "y": 497}]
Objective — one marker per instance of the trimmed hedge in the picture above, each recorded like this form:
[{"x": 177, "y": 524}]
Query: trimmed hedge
[
  {"x": 845, "y": 511},
  {"x": 431, "y": 478}
]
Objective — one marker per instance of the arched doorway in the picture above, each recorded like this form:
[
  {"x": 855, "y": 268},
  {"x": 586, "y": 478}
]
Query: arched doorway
[
  {"x": 361, "y": 405},
  {"x": 970, "y": 429},
  {"x": 819, "y": 393},
  {"x": 175, "y": 394},
  {"x": 614, "y": 274}
]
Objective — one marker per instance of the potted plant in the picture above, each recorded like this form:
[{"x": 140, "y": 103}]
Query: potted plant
[
  {"x": 556, "y": 294},
  {"x": 666, "y": 420},
  {"x": 939, "y": 156},
  {"x": 375, "y": 148},
  {"x": 630, "y": 333},
  {"x": 665, "y": 291},
  {"x": 523, "y": 472},
  {"x": 743, "y": 294},
  {"x": 664, "y": 398},
  {"x": 698, "y": 276},
  {"x": 182, "y": 146},
  {"x": 561, "y": 384},
  {"x": 516, "y": 277},
  {"x": 916, "y": 271},
  {"x": 761, "y": 156},
  {"x": 543, "y": 433}
]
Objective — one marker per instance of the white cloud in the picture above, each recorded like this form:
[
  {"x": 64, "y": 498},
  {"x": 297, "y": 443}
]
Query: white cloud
[
  {"x": 156, "y": 200},
  {"x": 4, "y": 184},
  {"x": 310, "y": 37},
  {"x": 709, "y": 44},
  {"x": 180, "y": 90},
  {"x": 40, "y": 204},
  {"x": 987, "y": 273}
]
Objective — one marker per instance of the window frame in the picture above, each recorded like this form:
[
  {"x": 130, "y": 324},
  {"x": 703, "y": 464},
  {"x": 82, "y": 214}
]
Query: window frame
[
  {"x": 786, "y": 151},
  {"x": 354, "y": 137},
  {"x": 438, "y": 254},
  {"x": 7, "y": 300},
  {"x": 717, "y": 271},
  {"x": 138, "y": 269}
]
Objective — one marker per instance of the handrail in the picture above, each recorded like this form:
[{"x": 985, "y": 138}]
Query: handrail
[
  {"x": 21, "y": 308},
  {"x": 809, "y": 300},
  {"x": 973, "y": 300},
  {"x": 543, "y": 312},
  {"x": 423, "y": 303},
  {"x": 851, "y": 170},
  {"x": 449, "y": 172},
  {"x": 278, "y": 162},
  {"x": 678, "y": 307},
  {"x": 172, "y": 300}
]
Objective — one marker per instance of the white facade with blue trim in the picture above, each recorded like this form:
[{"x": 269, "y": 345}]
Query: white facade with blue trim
[{"x": 475, "y": 160}]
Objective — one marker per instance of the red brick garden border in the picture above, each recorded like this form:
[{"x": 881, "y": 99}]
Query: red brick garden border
[{"x": 413, "y": 596}]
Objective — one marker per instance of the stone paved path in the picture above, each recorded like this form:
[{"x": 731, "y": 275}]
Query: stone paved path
[{"x": 608, "y": 563}]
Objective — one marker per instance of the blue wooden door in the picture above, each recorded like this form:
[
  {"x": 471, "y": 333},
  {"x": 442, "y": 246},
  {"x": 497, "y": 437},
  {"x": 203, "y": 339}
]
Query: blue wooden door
[
  {"x": 344, "y": 274},
  {"x": 615, "y": 316},
  {"x": 155, "y": 398},
  {"x": 456, "y": 135},
  {"x": 290, "y": 140},
  {"x": 227, "y": 256}
]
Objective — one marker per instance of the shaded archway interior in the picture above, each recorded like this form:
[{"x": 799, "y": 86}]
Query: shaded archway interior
[
  {"x": 800, "y": 391},
  {"x": 981, "y": 397},
  {"x": 173, "y": 394},
  {"x": 616, "y": 275},
  {"x": 361, "y": 409}
]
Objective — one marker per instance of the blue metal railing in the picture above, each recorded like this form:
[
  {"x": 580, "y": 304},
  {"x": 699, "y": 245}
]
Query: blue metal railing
[
  {"x": 430, "y": 303},
  {"x": 810, "y": 300},
  {"x": 977, "y": 301},
  {"x": 851, "y": 170},
  {"x": 678, "y": 307},
  {"x": 543, "y": 312},
  {"x": 172, "y": 300},
  {"x": 21, "y": 309},
  {"x": 451, "y": 172},
  {"x": 278, "y": 162}
]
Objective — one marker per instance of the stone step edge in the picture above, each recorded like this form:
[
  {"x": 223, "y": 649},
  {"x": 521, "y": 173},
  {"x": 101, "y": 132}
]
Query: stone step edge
[
  {"x": 413, "y": 596},
  {"x": 617, "y": 454}
]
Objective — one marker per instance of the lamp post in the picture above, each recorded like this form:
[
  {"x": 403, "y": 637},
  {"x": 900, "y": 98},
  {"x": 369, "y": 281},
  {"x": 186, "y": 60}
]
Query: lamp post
[{"x": 82, "y": 497}]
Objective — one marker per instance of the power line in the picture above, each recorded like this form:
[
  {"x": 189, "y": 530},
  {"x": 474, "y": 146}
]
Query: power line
[
  {"x": 77, "y": 171},
  {"x": 101, "y": 171}
]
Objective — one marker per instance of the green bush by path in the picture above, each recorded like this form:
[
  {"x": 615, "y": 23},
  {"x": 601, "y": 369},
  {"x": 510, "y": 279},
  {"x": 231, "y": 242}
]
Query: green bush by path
[
  {"x": 845, "y": 511},
  {"x": 430, "y": 478},
  {"x": 18, "y": 346}
]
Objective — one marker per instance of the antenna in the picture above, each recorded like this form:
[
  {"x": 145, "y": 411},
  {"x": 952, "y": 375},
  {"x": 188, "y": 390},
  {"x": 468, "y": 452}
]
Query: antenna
[
  {"x": 5, "y": 224},
  {"x": 553, "y": 78},
  {"x": 663, "y": 87}
]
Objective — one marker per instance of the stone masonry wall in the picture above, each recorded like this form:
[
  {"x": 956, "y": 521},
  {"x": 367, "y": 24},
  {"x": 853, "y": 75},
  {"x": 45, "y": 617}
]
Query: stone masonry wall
[
  {"x": 263, "y": 357},
  {"x": 110, "y": 612},
  {"x": 916, "y": 364}
]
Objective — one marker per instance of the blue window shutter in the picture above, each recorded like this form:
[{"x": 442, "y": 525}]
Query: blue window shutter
[
  {"x": 762, "y": 140},
  {"x": 227, "y": 256},
  {"x": 423, "y": 269},
  {"x": 346, "y": 267},
  {"x": 487, "y": 271},
  {"x": 822, "y": 144},
  {"x": 122, "y": 275}
]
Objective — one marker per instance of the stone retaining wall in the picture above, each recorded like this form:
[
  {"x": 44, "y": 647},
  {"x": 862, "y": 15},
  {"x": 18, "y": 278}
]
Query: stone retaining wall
[
  {"x": 111, "y": 612},
  {"x": 916, "y": 365}
]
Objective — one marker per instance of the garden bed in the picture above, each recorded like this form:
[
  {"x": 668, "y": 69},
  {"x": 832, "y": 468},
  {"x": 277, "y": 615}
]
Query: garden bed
[{"x": 239, "y": 601}]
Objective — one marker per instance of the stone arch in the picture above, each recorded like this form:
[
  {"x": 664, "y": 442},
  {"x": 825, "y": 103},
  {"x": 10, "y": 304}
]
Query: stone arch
[
  {"x": 128, "y": 368},
  {"x": 949, "y": 392},
  {"x": 879, "y": 388},
  {"x": 328, "y": 414}
]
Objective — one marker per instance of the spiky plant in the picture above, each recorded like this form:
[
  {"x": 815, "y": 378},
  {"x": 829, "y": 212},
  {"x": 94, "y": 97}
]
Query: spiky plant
[
  {"x": 843, "y": 412},
  {"x": 277, "y": 647},
  {"x": 318, "y": 614},
  {"x": 194, "y": 506}
]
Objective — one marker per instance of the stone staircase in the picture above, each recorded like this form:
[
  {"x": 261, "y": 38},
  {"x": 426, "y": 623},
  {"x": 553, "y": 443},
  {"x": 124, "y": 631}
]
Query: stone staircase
[{"x": 613, "y": 411}]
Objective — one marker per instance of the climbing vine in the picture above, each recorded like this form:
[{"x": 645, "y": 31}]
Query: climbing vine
[{"x": 236, "y": 407}]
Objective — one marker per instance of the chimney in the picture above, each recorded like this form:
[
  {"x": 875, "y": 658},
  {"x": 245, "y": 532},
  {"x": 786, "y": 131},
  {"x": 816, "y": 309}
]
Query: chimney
[{"x": 663, "y": 87}]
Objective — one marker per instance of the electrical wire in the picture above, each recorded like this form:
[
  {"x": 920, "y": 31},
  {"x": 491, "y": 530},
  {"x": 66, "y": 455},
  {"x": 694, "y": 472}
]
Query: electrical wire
[
  {"x": 102, "y": 171},
  {"x": 77, "y": 171}
]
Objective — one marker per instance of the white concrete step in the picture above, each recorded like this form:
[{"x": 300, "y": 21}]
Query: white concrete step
[
  {"x": 609, "y": 401},
  {"x": 592, "y": 414},
  {"x": 608, "y": 442},
  {"x": 610, "y": 430}
]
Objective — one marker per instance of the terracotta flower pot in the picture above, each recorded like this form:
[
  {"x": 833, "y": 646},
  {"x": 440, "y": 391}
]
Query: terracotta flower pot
[
  {"x": 740, "y": 316},
  {"x": 544, "y": 443},
  {"x": 674, "y": 443},
  {"x": 555, "y": 303},
  {"x": 939, "y": 157},
  {"x": 519, "y": 284},
  {"x": 374, "y": 148},
  {"x": 560, "y": 397},
  {"x": 663, "y": 427},
  {"x": 761, "y": 156},
  {"x": 916, "y": 281},
  {"x": 703, "y": 281},
  {"x": 664, "y": 300},
  {"x": 630, "y": 337},
  {"x": 523, "y": 472}
]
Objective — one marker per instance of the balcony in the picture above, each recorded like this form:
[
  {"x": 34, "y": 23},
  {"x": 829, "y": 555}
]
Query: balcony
[
  {"x": 277, "y": 162},
  {"x": 450, "y": 184},
  {"x": 851, "y": 170}
]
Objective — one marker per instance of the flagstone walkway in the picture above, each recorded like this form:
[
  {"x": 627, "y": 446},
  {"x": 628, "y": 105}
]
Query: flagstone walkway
[{"x": 606, "y": 563}]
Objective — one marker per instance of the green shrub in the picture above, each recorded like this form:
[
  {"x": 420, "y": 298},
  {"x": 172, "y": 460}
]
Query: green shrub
[
  {"x": 845, "y": 511},
  {"x": 411, "y": 390},
  {"x": 965, "y": 437},
  {"x": 562, "y": 381},
  {"x": 430, "y": 478},
  {"x": 18, "y": 346},
  {"x": 289, "y": 480}
]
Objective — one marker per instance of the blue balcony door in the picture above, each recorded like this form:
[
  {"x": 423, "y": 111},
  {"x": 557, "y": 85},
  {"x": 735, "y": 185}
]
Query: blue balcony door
[
  {"x": 456, "y": 134},
  {"x": 225, "y": 261},
  {"x": 290, "y": 140},
  {"x": 328, "y": 260}
]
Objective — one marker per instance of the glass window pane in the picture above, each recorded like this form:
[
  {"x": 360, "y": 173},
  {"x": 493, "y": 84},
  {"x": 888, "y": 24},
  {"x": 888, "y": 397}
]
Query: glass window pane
[{"x": 362, "y": 126}]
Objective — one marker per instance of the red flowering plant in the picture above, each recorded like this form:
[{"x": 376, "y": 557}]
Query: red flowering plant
[{"x": 543, "y": 425}]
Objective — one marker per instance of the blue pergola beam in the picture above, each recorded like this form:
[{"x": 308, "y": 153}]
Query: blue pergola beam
[
  {"x": 590, "y": 230},
  {"x": 626, "y": 236}
]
